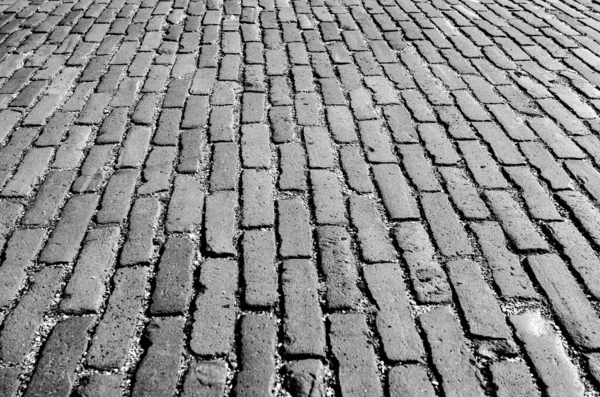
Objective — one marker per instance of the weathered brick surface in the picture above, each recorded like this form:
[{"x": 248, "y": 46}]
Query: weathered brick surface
[{"x": 368, "y": 156}]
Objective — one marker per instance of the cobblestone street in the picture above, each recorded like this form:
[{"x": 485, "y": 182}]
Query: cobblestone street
[{"x": 300, "y": 198}]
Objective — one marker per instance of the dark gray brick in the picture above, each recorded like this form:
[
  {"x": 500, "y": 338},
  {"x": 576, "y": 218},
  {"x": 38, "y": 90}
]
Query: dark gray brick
[
  {"x": 185, "y": 207},
  {"x": 394, "y": 322},
  {"x": 357, "y": 369},
  {"x": 157, "y": 372},
  {"x": 86, "y": 287},
  {"x": 65, "y": 241},
  {"x": 372, "y": 232},
  {"x": 216, "y": 309},
  {"x": 550, "y": 361},
  {"x": 303, "y": 327},
  {"x": 173, "y": 281},
  {"x": 22, "y": 324},
  {"x": 139, "y": 245},
  {"x": 57, "y": 365},
  {"x": 260, "y": 276},
  {"x": 451, "y": 356},
  {"x": 114, "y": 335},
  {"x": 220, "y": 224},
  {"x": 294, "y": 229}
]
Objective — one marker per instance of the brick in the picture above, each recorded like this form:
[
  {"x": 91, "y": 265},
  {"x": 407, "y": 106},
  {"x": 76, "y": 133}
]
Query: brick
[
  {"x": 327, "y": 198},
  {"x": 29, "y": 173},
  {"x": 224, "y": 167},
  {"x": 307, "y": 109},
  {"x": 157, "y": 372},
  {"x": 395, "y": 193},
  {"x": 394, "y": 322},
  {"x": 71, "y": 151},
  {"x": 503, "y": 148},
  {"x": 55, "y": 130},
  {"x": 186, "y": 204},
  {"x": 22, "y": 324},
  {"x": 96, "y": 385},
  {"x": 451, "y": 356},
  {"x": 65, "y": 241},
  {"x": 261, "y": 279},
  {"x": 401, "y": 124},
  {"x": 581, "y": 256},
  {"x": 372, "y": 232},
  {"x": 537, "y": 200},
  {"x": 304, "y": 377},
  {"x": 515, "y": 127},
  {"x": 206, "y": 378},
  {"x": 139, "y": 247},
  {"x": 55, "y": 370},
  {"x": 571, "y": 123},
  {"x": 482, "y": 166},
  {"x": 257, "y": 198},
  {"x": 253, "y": 109},
  {"x": 282, "y": 123},
  {"x": 257, "y": 369},
  {"x": 418, "y": 168},
  {"x": 341, "y": 124},
  {"x": 134, "y": 148},
  {"x": 477, "y": 302},
  {"x": 117, "y": 196},
  {"x": 512, "y": 378},
  {"x": 455, "y": 123},
  {"x": 409, "y": 380},
  {"x": 216, "y": 310},
  {"x": 569, "y": 303},
  {"x": 221, "y": 124},
  {"x": 464, "y": 194},
  {"x": 294, "y": 229},
  {"x": 318, "y": 147},
  {"x": 355, "y": 169},
  {"x": 113, "y": 336},
  {"x": 9, "y": 380},
  {"x": 586, "y": 175},
  {"x": 85, "y": 291},
  {"x": 438, "y": 144},
  {"x": 113, "y": 128},
  {"x": 256, "y": 152},
  {"x": 357, "y": 370},
  {"x": 550, "y": 362},
  {"x": 361, "y": 104},
  {"x": 448, "y": 232},
  {"x": 557, "y": 141},
  {"x": 292, "y": 163},
  {"x": 220, "y": 224},
  {"x": 375, "y": 139},
  {"x": 338, "y": 265},
  {"x": 92, "y": 171},
  {"x": 146, "y": 108},
  {"x": 157, "y": 170},
  {"x": 19, "y": 255},
  {"x": 167, "y": 130},
  {"x": 520, "y": 230},
  {"x": 549, "y": 170},
  {"x": 303, "y": 328}
]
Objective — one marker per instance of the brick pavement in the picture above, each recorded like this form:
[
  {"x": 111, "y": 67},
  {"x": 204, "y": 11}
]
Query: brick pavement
[{"x": 299, "y": 198}]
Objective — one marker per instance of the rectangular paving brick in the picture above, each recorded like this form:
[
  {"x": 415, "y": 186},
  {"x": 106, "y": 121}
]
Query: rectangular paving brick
[
  {"x": 24, "y": 321},
  {"x": 85, "y": 290},
  {"x": 357, "y": 370},
  {"x": 65, "y": 241},
  {"x": 259, "y": 272},
  {"x": 114, "y": 334},
  {"x": 303, "y": 327},
  {"x": 394, "y": 322},
  {"x": 216, "y": 309},
  {"x": 174, "y": 278}
]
